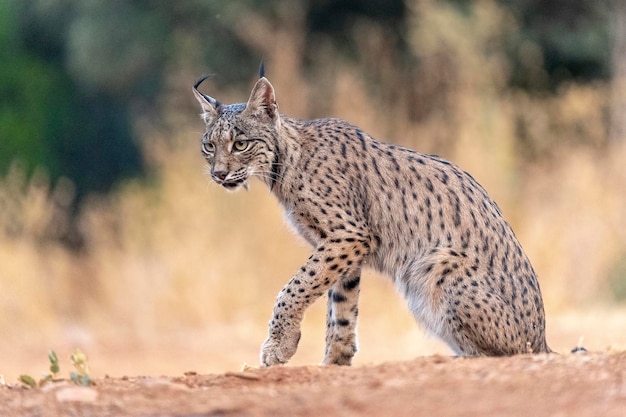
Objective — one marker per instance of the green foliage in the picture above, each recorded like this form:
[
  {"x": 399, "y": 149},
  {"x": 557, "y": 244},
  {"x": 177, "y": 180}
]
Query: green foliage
[
  {"x": 33, "y": 111},
  {"x": 54, "y": 362},
  {"x": 76, "y": 75},
  {"x": 28, "y": 380},
  {"x": 80, "y": 377},
  {"x": 45, "y": 121},
  {"x": 572, "y": 41},
  {"x": 114, "y": 46},
  {"x": 24, "y": 116}
]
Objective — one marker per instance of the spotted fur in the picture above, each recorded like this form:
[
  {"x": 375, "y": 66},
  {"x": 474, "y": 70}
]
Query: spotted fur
[{"x": 362, "y": 203}]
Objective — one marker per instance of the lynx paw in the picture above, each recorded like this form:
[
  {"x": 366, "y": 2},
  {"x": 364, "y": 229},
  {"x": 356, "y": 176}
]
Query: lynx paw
[
  {"x": 340, "y": 354},
  {"x": 276, "y": 351}
]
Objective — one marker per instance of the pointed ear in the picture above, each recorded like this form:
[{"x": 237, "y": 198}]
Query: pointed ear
[
  {"x": 209, "y": 104},
  {"x": 262, "y": 101}
]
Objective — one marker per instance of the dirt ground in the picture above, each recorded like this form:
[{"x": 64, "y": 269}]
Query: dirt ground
[{"x": 581, "y": 384}]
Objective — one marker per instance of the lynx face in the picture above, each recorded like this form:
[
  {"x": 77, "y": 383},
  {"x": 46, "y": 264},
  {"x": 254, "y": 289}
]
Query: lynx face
[{"x": 240, "y": 139}]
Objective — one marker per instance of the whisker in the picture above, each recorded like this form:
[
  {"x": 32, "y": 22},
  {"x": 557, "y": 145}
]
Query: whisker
[
  {"x": 269, "y": 176},
  {"x": 256, "y": 171}
]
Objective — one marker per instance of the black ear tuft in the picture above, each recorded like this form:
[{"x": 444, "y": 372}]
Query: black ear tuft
[
  {"x": 200, "y": 94},
  {"x": 209, "y": 105},
  {"x": 262, "y": 69}
]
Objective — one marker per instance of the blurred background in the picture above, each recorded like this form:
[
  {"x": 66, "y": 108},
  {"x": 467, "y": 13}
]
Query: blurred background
[{"x": 113, "y": 239}]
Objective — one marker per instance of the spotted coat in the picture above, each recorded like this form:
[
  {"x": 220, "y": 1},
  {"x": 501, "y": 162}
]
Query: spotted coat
[{"x": 416, "y": 218}]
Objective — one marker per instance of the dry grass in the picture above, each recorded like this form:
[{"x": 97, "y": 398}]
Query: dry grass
[{"x": 176, "y": 274}]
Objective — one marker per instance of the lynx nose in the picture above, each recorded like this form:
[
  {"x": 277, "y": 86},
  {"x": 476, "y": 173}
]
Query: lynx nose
[{"x": 220, "y": 175}]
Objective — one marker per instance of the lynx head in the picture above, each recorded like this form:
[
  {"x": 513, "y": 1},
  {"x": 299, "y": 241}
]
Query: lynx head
[{"x": 240, "y": 140}]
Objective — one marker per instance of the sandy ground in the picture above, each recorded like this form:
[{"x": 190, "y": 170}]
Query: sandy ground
[
  {"x": 398, "y": 371},
  {"x": 581, "y": 384}
]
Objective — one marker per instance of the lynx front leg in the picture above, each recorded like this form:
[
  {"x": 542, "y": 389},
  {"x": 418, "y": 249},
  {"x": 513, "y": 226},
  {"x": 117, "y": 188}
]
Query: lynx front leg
[
  {"x": 341, "y": 319},
  {"x": 329, "y": 264}
]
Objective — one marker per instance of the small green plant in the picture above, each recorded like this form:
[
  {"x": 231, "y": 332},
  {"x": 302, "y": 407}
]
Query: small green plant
[
  {"x": 54, "y": 362},
  {"x": 28, "y": 380},
  {"x": 79, "y": 360},
  {"x": 80, "y": 377}
]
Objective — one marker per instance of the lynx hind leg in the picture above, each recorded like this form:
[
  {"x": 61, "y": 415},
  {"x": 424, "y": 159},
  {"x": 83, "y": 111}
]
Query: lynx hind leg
[
  {"x": 476, "y": 316},
  {"x": 341, "y": 319},
  {"x": 479, "y": 323}
]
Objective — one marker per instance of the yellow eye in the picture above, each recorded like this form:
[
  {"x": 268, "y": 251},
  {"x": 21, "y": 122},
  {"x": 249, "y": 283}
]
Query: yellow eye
[
  {"x": 208, "y": 147},
  {"x": 240, "y": 145}
]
